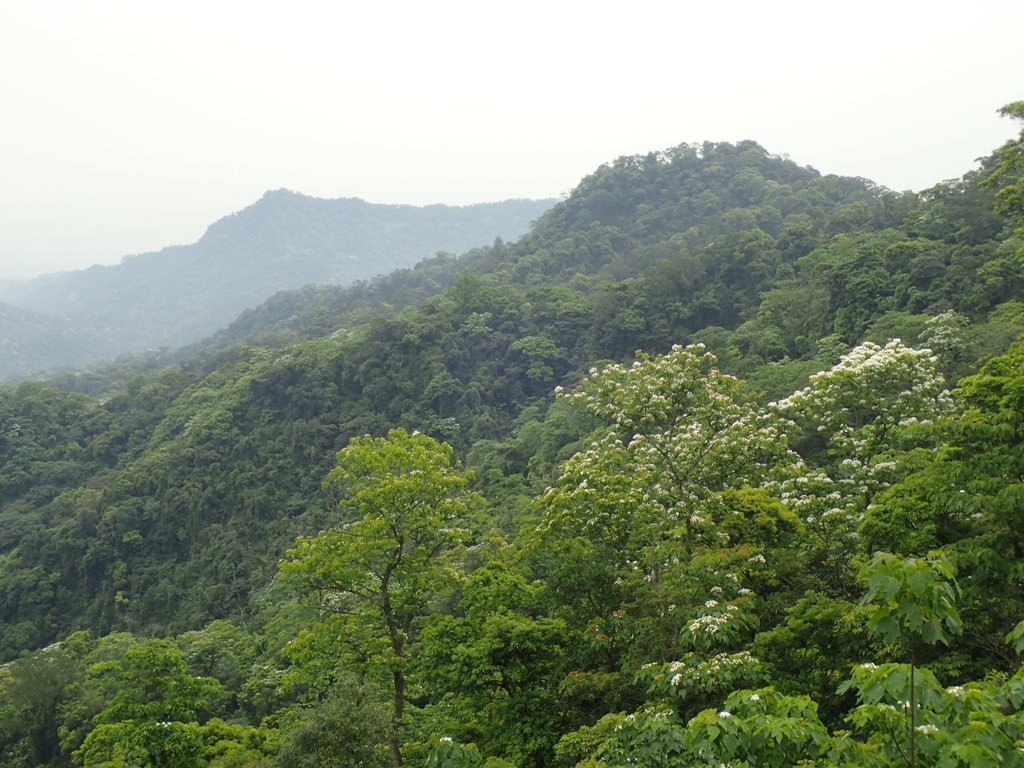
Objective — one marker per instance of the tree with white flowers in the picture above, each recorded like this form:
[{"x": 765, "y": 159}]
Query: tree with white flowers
[
  {"x": 650, "y": 535},
  {"x": 678, "y": 433},
  {"x": 690, "y": 500},
  {"x": 857, "y": 424}
]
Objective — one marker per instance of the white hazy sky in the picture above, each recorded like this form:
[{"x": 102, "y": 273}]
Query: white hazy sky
[{"x": 126, "y": 125}]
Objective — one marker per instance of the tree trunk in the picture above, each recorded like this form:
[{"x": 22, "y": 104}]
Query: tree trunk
[
  {"x": 913, "y": 712},
  {"x": 394, "y": 744}
]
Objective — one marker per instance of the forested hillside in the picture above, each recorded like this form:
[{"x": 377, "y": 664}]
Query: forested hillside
[
  {"x": 718, "y": 465},
  {"x": 186, "y": 292}
]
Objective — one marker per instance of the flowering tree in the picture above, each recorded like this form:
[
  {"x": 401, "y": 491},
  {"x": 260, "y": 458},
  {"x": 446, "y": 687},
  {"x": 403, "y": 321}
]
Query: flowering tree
[
  {"x": 868, "y": 404},
  {"x": 677, "y": 434},
  {"x": 651, "y": 536},
  {"x": 856, "y": 422},
  {"x": 667, "y": 525}
]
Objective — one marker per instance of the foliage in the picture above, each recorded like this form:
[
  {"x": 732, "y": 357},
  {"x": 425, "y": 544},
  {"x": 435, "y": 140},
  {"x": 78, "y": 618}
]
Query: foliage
[
  {"x": 345, "y": 730},
  {"x": 911, "y": 596},
  {"x": 619, "y": 564},
  {"x": 194, "y": 480},
  {"x": 495, "y": 658},
  {"x": 1008, "y": 171},
  {"x": 408, "y": 512}
]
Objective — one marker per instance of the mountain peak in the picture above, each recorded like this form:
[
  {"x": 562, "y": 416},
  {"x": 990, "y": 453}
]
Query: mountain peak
[{"x": 285, "y": 240}]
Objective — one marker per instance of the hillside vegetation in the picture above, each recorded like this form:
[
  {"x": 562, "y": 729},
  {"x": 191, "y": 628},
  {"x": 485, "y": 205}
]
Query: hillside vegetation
[{"x": 718, "y": 464}]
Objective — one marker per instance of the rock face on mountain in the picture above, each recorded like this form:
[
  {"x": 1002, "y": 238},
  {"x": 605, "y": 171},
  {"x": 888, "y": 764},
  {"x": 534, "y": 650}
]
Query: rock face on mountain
[{"x": 185, "y": 292}]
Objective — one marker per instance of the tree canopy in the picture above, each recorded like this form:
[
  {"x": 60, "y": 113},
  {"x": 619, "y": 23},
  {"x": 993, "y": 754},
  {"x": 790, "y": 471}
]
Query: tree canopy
[{"x": 719, "y": 464}]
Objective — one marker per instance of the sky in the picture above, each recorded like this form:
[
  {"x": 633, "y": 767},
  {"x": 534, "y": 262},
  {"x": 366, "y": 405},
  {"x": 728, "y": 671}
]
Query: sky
[{"x": 127, "y": 126}]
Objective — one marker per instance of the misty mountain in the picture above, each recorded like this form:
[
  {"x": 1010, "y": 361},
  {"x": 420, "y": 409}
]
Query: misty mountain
[
  {"x": 182, "y": 293},
  {"x": 30, "y": 341}
]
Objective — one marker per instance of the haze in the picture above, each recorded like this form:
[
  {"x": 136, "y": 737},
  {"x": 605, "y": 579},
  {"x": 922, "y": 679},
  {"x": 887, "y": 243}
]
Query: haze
[{"x": 131, "y": 126}]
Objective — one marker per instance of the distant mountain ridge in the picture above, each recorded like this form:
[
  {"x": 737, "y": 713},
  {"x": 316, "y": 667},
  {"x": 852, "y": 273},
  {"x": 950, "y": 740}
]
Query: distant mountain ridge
[
  {"x": 285, "y": 240},
  {"x": 49, "y": 341}
]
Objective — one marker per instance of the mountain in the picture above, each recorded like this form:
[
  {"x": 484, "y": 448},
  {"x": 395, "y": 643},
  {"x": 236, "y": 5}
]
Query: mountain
[
  {"x": 30, "y": 341},
  {"x": 285, "y": 240},
  {"x": 220, "y": 457},
  {"x": 165, "y": 504}
]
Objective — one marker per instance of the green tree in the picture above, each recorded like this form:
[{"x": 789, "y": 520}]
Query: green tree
[
  {"x": 343, "y": 731},
  {"x": 409, "y": 511},
  {"x": 914, "y": 600},
  {"x": 1008, "y": 174},
  {"x": 152, "y": 719},
  {"x": 493, "y": 669},
  {"x": 33, "y": 689}
]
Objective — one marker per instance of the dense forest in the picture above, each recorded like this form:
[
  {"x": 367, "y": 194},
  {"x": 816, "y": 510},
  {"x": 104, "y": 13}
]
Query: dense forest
[{"x": 719, "y": 464}]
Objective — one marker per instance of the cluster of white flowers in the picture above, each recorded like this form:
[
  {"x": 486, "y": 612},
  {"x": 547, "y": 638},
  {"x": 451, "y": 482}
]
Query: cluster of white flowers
[
  {"x": 944, "y": 333},
  {"x": 708, "y": 624},
  {"x": 831, "y": 508},
  {"x": 707, "y": 674},
  {"x": 868, "y": 393},
  {"x": 725, "y": 661}
]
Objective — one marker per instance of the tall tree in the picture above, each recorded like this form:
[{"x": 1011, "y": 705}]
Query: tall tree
[{"x": 409, "y": 510}]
